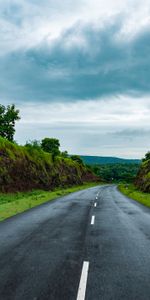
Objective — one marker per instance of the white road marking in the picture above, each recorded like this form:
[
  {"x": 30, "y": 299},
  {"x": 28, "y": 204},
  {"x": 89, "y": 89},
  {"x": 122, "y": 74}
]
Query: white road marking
[
  {"x": 96, "y": 198},
  {"x": 93, "y": 220},
  {"x": 95, "y": 204},
  {"x": 83, "y": 281}
]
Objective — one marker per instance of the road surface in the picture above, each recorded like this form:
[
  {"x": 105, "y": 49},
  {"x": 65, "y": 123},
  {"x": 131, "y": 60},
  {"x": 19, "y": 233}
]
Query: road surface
[{"x": 92, "y": 245}]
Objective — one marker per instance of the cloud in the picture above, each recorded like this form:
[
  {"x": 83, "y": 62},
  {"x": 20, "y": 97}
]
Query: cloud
[
  {"x": 78, "y": 70},
  {"x": 117, "y": 127},
  {"x": 84, "y": 63}
]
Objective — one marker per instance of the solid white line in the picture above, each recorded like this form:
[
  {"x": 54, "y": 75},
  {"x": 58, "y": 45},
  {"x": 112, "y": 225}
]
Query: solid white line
[
  {"x": 83, "y": 281},
  {"x": 93, "y": 220},
  {"x": 95, "y": 204}
]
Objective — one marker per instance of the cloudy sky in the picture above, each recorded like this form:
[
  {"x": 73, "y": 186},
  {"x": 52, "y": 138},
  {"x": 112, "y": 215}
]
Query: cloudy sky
[{"x": 79, "y": 71}]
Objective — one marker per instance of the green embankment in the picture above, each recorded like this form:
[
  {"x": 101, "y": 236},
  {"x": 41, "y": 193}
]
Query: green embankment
[
  {"x": 12, "y": 204},
  {"x": 25, "y": 168},
  {"x": 143, "y": 177},
  {"x": 29, "y": 177},
  {"x": 132, "y": 192}
]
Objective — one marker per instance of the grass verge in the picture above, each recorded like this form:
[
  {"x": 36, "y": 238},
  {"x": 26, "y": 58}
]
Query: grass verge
[
  {"x": 132, "y": 192},
  {"x": 12, "y": 204}
]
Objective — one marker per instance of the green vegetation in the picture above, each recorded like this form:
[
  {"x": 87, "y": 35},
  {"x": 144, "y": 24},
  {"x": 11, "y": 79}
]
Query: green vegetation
[
  {"x": 132, "y": 192},
  {"x": 8, "y": 116},
  {"x": 142, "y": 181},
  {"x": 104, "y": 160},
  {"x": 140, "y": 191},
  {"x": 23, "y": 168},
  {"x": 37, "y": 172},
  {"x": 12, "y": 204},
  {"x": 51, "y": 145},
  {"x": 116, "y": 172},
  {"x": 147, "y": 156},
  {"x": 77, "y": 158}
]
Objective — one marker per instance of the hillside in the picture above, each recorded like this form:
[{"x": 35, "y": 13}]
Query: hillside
[
  {"x": 143, "y": 177},
  {"x": 103, "y": 160},
  {"x": 25, "y": 168}
]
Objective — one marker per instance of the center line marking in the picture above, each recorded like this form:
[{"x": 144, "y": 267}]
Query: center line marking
[
  {"x": 95, "y": 204},
  {"x": 83, "y": 281},
  {"x": 93, "y": 220}
]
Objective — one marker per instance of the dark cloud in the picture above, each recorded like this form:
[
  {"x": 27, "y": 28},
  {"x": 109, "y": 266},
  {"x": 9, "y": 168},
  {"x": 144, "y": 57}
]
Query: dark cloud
[
  {"x": 104, "y": 66},
  {"x": 128, "y": 136}
]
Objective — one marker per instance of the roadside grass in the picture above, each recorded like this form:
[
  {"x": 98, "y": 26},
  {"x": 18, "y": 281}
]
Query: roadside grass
[
  {"x": 132, "y": 192},
  {"x": 12, "y": 204}
]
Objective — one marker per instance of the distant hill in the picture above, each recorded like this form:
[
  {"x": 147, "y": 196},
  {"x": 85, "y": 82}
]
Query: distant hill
[{"x": 103, "y": 160}]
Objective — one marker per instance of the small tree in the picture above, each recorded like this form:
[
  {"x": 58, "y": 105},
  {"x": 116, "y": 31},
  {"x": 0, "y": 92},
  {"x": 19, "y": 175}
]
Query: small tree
[
  {"x": 33, "y": 144},
  {"x": 8, "y": 116},
  {"x": 51, "y": 145},
  {"x": 147, "y": 156},
  {"x": 78, "y": 159},
  {"x": 65, "y": 154}
]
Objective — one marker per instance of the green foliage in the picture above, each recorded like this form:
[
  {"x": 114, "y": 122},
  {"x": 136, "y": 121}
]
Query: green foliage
[
  {"x": 78, "y": 159},
  {"x": 107, "y": 160},
  {"x": 8, "y": 116},
  {"x": 65, "y": 154},
  {"x": 28, "y": 167},
  {"x": 33, "y": 144},
  {"x": 143, "y": 177},
  {"x": 132, "y": 192},
  {"x": 147, "y": 156},
  {"x": 51, "y": 145},
  {"x": 11, "y": 204},
  {"x": 116, "y": 172}
]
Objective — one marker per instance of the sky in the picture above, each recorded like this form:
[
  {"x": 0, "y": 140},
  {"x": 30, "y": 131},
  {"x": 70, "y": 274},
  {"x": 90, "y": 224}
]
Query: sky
[{"x": 78, "y": 71}]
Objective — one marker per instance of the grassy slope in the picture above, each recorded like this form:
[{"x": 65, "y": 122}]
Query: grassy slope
[
  {"x": 143, "y": 177},
  {"x": 133, "y": 193},
  {"x": 12, "y": 204},
  {"x": 29, "y": 168}
]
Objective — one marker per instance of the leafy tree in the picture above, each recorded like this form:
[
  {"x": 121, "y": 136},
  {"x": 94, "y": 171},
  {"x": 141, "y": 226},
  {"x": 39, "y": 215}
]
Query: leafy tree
[
  {"x": 51, "y": 145},
  {"x": 65, "y": 154},
  {"x": 116, "y": 172},
  {"x": 147, "y": 156},
  {"x": 33, "y": 144},
  {"x": 78, "y": 159},
  {"x": 8, "y": 116}
]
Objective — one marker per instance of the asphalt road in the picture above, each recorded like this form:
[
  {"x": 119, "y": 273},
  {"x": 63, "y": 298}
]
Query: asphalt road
[{"x": 92, "y": 245}]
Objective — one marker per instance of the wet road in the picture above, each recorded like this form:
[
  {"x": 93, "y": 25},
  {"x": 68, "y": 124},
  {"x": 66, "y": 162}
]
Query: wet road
[{"x": 92, "y": 245}]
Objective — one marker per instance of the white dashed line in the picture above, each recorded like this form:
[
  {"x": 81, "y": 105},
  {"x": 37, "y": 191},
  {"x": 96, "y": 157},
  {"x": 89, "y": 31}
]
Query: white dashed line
[
  {"x": 95, "y": 204},
  {"x": 93, "y": 220},
  {"x": 83, "y": 281}
]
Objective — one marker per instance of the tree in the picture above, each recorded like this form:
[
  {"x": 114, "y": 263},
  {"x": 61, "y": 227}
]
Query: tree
[
  {"x": 35, "y": 144},
  {"x": 78, "y": 159},
  {"x": 147, "y": 156},
  {"x": 8, "y": 116},
  {"x": 51, "y": 145},
  {"x": 65, "y": 154}
]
